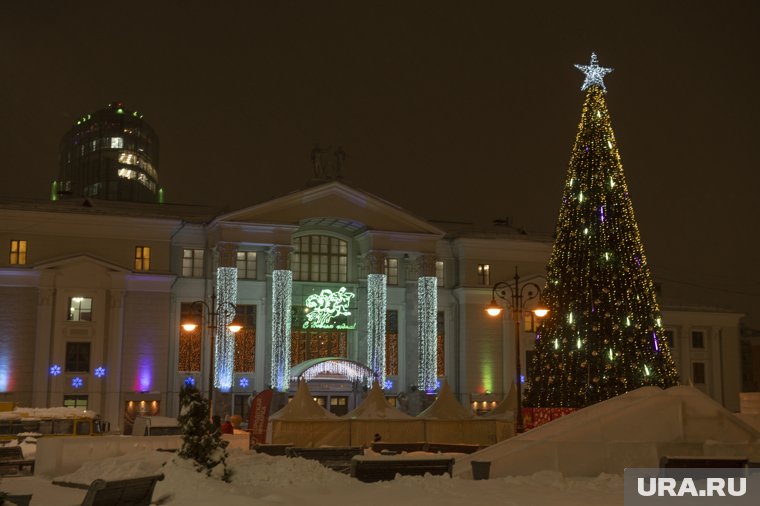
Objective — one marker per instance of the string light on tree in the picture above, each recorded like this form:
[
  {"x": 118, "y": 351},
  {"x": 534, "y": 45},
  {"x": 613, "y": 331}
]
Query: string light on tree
[{"x": 598, "y": 278}]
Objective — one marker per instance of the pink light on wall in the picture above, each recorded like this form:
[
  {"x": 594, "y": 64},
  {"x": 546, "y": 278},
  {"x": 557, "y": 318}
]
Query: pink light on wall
[{"x": 144, "y": 378}]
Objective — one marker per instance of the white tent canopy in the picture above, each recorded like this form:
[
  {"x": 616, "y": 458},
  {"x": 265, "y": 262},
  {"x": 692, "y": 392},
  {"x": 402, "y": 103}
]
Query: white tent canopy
[
  {"x": 446, "y": 407},
  {"x": 302, "y": 407},
  {"x": 376, "y": 407}
]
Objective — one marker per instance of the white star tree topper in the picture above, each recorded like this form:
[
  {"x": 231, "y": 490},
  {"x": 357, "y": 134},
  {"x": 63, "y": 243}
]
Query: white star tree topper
[{"x": 594, "y": 74}]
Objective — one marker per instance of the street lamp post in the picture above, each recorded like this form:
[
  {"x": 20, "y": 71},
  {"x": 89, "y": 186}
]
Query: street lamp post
[
  {"x": 515, "y": 298},
  {"x": 226, "y": 311}
]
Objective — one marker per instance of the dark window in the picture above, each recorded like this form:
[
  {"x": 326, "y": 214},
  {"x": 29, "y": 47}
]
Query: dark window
[
  {"x": 77, "y": 357},
  {"x": 697, "y": 339},
  {"x": 668, "y": 337},
  {"x": 698, "y": 373}
]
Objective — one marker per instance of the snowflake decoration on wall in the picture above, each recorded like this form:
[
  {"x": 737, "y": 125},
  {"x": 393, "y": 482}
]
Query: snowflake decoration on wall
[
  {"x": 77, "y": 382},
  {"x": 55, "y": 370},
  {"x": 388, "y": 385},
  {"x": 100, "y": 372},
  {"x": 243, "y": 382},
  {"x": 190, "y": 381}
]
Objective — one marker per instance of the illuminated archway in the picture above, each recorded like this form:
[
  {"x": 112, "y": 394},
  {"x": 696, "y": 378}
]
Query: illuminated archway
[{"x": 335, "y": 366}]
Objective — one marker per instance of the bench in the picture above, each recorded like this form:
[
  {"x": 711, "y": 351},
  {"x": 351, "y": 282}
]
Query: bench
[
  {"x": 385, "y": 469},
  {"x": 12, "y": 456},
  {"x": 391, "y": 448},
  {"x": 703, "y": 462},
  {"x": 129, "y": 492},
  {"x": 276, "y": 450},
  {"x": 337, "y": 458},
  {"x": 396, "y": 448},
  {"x": 18, "y": 500}
]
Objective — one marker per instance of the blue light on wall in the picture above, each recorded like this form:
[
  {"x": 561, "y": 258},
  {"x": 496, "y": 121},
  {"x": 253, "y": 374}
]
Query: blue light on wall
[
  {"x": 243, "y": 382},
  {"x": 55, "y": 370},
  {"x": 77, "y": 382},
  {"x": 189, "y": 381},
  {"x": 100, "y": 372}
]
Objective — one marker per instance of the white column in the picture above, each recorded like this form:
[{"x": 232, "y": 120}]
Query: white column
[{"x": 376, "y": 309}]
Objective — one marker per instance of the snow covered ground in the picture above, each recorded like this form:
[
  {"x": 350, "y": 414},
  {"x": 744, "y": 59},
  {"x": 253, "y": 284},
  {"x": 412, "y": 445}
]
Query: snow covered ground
[{"x": 263, "y": 480}]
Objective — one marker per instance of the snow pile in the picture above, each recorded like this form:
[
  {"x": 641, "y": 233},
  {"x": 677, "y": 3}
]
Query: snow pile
[
  {"x": 259, "y": 479},
  {"x": 131, "y": 465},
  {"x": 376, "y": 407},
  {"x": 631, "y": 430},
  {"x": 35, "y": 413},
  {"x": 28, "y": 446}
]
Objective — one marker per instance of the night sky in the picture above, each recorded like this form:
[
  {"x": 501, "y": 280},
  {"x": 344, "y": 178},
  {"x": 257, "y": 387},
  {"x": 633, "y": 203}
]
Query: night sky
[{"x": 462, "y": 111}]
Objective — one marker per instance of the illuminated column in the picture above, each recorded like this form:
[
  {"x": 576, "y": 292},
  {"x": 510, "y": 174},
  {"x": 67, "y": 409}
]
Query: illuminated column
[
  {"x": 427, "y": 329},
  {"x": 282, "y": 290},
  {"x": 226, "y": 298},
  {"x": 376, "y": 308}
]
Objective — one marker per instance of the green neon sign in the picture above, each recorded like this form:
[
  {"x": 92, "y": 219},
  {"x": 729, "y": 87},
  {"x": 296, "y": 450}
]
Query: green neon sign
[{"x": 326, "y": 307}]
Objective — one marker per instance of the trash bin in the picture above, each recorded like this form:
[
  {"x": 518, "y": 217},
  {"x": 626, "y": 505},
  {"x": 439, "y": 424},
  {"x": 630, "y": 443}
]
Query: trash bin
[{"x": 480, "y": 470}]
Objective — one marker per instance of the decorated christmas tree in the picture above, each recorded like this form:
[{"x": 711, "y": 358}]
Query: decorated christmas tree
[
  {"x": 201, "y": 441},
  {"x": 603, "y": 335}
]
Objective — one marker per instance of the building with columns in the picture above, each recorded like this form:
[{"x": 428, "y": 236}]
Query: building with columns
[{"x": 330, "y": 283}]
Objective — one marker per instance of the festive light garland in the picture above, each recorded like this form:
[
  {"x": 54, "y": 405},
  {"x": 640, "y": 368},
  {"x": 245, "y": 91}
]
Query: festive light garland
[
  {"x": 224, "y": 345},
  {"x": 282, "y": 290},
  {"x": 350, "y": 370},
  {"x": 376, "y": 315},
  {"x": 602, "y": 336},
  {"x": 427, "y": 332}
]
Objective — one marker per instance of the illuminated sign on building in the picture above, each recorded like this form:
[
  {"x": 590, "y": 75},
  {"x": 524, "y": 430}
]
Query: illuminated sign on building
[{"x": 328, "y": 310}]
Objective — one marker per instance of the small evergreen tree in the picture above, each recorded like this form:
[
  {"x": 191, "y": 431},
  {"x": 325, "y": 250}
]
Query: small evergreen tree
[{"x": 201, "y": 442}]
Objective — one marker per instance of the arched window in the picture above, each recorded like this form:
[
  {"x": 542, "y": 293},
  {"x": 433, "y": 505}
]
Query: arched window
[{"x": 320, "y": 258}]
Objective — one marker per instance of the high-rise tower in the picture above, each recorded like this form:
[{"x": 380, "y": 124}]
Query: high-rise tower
[{"x": 111, "y": 154}]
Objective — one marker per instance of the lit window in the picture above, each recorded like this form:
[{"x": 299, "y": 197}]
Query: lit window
[
  {"x": 245, "y": 340},
  {"x": 18, "y": 253},
  {"x": 142, "y": 258},
  {"x": 439, "y": 272},
  {"x": 320, "y": 258},
  {"x": 75, "y": 401},
  {"x": 77, "y": 357},
  {"x": 391, "y": 270},
  {"x": 391, "y": 342},
  {"x": 697, "y": 339},
  {"x": 484, "y": 274},
  {"x": 80, "y": 309},
  {"x": 117, "y": 142},
  {"x": 246, "y": 264},
  {"x": 192, "y": 263}
]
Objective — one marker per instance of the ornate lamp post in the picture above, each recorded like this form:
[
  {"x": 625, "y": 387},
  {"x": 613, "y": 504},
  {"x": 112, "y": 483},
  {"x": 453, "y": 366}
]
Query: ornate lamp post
[
  {"x": 515, "y": 298},
  {"x": 227, "y": 311}
]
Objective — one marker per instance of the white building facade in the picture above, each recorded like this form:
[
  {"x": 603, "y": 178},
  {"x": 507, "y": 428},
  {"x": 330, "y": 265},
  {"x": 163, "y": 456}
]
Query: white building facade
[{"x": 329, "y": 283}]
